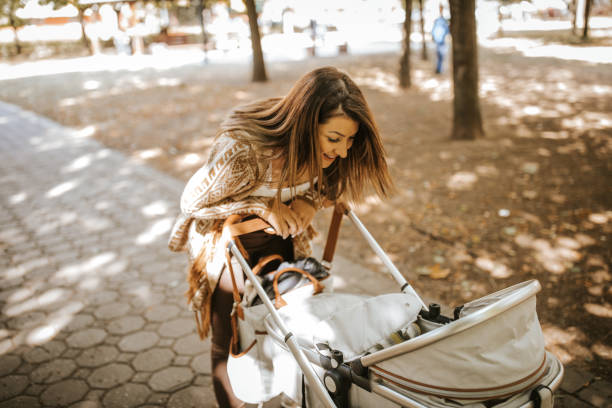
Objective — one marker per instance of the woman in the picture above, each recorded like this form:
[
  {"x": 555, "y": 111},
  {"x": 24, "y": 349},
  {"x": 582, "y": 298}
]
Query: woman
[{"x": 280, "y": 159}]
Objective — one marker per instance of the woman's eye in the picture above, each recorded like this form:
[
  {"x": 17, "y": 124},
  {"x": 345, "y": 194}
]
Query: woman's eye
[{"x": 333, "y": 140}]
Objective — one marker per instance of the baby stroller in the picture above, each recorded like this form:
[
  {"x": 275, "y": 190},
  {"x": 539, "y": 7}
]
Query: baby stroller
[{"x": 325, "y": 350}]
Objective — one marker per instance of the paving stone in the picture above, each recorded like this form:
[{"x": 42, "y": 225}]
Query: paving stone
[
  {"x": 21, "y": 402},
  {"x": 27, "y": 320},
  {"x": 110, "y": 376},
  {"x": 95, "y": 395},
  {"x": 82, "y": 373},
  {"x": 126, "y": 396},
  {"x": 64, "y": 393},
  {"x": 181, "y": 360},
  {"x": 53, "y": 371},
  {"x": 191, "y": 345},
  {"x": 12, "y": 385},
  {"x": 25, "y": 368},
  {"x": 87, "y": 404},
  {"x": 113, "y": 340},
  {"x": 171, "y": 378},
  {"x": 97, "y": 356},
  {"x": 6, "y": 345},
  {"x": 8, "y": 364},
  {"x": 166, "y": 342},
  {"x": 138, "y": 341},
  {"x": 126, "y": 324},
  {"x": 125, "y": 357},
  {"x": 573, "y": 380},
  {"x": 563, "y": 400},
  {"x": 176, "y": 328},
  {"x": 79, "y": 322},
  {"x": 162, "y": 313},
  {"x": 35, "y": 390},
  {"x": 71, "y": 353},
  {"x": 158, "y": 398},
  {"x": 103, "y": 297},
  {"x": 598, "y": 393},
  {"x": 141, "y": 378},
  {"x": 191, "y": 397},
  {"x": 153, "y": 360},
  {"x": 111, "y": 310},
  {"x": 203, "y": 380},
  {"x": 148, "y": 299},
  {"x": 86, "y": 338},
  {"x": 201, "y": 364}
]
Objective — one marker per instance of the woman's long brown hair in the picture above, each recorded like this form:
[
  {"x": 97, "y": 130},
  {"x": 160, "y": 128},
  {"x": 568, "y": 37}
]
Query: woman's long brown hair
[{"x": 289, "y": 126}]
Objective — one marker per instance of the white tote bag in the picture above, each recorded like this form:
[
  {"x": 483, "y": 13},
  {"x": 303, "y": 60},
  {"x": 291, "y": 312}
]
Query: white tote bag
[{"x": 261, "y": 370}]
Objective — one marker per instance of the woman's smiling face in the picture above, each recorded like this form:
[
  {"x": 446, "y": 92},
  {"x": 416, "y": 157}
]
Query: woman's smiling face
[{"x": 336, "y": 137}]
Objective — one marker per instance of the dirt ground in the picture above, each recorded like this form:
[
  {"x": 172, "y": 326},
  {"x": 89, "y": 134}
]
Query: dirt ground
[{"x": 532, "y": 200}]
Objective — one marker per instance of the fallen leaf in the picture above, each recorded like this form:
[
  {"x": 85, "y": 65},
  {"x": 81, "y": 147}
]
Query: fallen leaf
[{"x": 436, "y": 272}]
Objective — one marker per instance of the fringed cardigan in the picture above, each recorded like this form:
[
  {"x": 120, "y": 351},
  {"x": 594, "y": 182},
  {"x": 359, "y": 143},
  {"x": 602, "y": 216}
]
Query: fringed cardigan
[{"x": 221, "y": 188}]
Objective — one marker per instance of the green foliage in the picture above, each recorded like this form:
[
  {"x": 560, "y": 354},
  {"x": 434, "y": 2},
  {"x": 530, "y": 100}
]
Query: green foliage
[
  {"x": 7, "y": 13},
  {"x": 61, "y": 3}
]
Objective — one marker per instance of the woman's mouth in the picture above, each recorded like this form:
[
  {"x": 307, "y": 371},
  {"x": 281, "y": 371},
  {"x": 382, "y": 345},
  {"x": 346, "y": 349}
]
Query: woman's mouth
[{"x": 330, "y": 158}]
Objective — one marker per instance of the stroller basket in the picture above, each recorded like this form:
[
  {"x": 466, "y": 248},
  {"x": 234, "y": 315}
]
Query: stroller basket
[{"x": 491, "y": 354}]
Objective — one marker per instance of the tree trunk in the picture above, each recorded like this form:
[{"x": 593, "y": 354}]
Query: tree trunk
[
  {"x": 83, "y": 35},
  {"x": 259, "y": 68},
  {"x": 467, "y": 121},
  {"x": 424, "y": 48},
  {"x": 13, "y": 23},
  {"x": 574, "y": 15},
  {"x": 404, "y": 74},
  {"x": 200, "y": 11},
  {"x": 587, "y": 12}
]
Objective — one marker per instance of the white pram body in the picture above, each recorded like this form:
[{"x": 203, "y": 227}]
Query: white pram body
[{"x": 390, "y": 351}]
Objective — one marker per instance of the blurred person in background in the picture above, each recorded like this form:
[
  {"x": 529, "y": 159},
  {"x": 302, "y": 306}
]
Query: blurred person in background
[{"x": 438, "y": 33}]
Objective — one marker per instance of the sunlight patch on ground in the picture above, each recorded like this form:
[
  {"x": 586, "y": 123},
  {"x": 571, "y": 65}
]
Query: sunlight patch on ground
[
  {"x": 61, "y": 188},
  {"x": 91, "y": 85},
  {"x": 556, "y": 257},
  {"x": 602, "y": 350},
  {"x": 378, "y": 79},
  {"x": 18, "y": 198},
  {"x": 496, "y": 269},
  {"x": 604, "y": 310},
  {"x": 75, "y": 272},
  {"x": 439, "y": 89},
  {"x": 86, "y": 131},
  {"x": 602, "y": 55},
  {"x": 157, "y": 229},
  {"x": 190, "y": 160},
  {"x": 78, "y": 164},
  {"x": 600, "y": 218},
  {"x": 566, "y": 343},
  {"x": 168, "y": 82},
  {"x": 461, "y": 181},
  {"x": 154, "y": 209},
  {"x": 149, "y": 153}
]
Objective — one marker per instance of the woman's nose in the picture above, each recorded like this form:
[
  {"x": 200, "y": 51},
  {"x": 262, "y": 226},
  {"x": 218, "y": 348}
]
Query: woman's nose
[{"x": 342, "y": 149}]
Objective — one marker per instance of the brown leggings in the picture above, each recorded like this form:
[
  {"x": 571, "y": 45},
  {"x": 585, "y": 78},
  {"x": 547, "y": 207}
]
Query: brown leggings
[{"x": 257, "y": 244}]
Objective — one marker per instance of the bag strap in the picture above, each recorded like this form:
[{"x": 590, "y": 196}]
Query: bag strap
[
  {"x": 246, "y": 227},
  {"x": 278, "y": 300},
  {"x": 264, "y": 261},
  {"x": 340, "y": 209}
]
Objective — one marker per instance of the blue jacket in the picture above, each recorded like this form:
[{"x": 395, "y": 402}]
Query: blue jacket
[{"x": 440, "y": 30}]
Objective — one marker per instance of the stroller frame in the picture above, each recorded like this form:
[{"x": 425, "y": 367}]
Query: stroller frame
[{"x": 358, "y": 371}]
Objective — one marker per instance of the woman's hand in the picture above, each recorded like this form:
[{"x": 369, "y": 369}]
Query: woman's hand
[
  {"x": 305, "y": 212},
  {"x": 284, "y": 220}
]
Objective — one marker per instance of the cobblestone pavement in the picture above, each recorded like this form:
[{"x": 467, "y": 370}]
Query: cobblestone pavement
[{"x": 93, "y": 313}]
